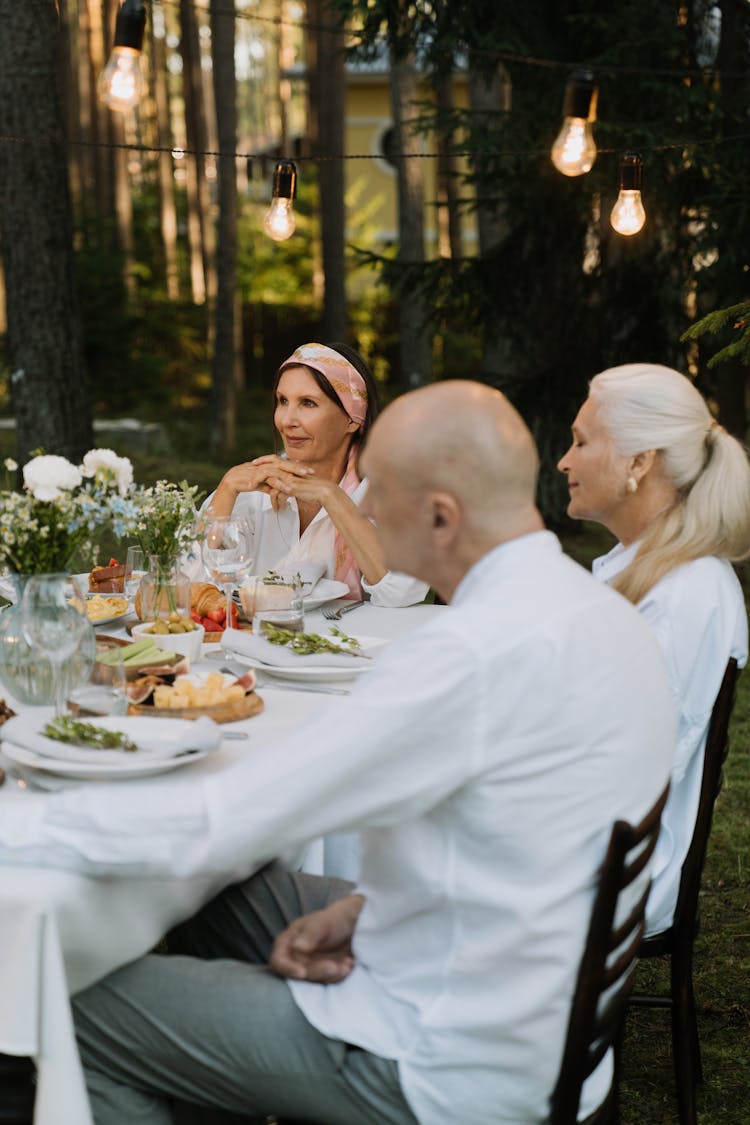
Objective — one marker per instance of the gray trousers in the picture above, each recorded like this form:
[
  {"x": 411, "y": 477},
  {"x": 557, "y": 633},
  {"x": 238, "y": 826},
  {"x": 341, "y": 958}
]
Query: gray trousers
[{"x": 210, "y": 1025}]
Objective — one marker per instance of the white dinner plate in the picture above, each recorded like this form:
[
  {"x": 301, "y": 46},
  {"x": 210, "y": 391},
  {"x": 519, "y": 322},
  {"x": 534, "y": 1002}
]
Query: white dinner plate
[
  {"x": 324, "y": 590},
  {"x": 132, "y": 765},
  {"x": 115, "y": 616},
  {"x": 317, "y": 673}
]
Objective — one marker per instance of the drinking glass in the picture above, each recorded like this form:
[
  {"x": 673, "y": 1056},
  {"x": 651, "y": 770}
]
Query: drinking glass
[
  {"x": 52, "y": 627},
  {"x": 135, "y": 570},
  {"x": 286, "y": 612},
  {"x": 105, "y": 692},
  {"x": 227, "y": 553}
]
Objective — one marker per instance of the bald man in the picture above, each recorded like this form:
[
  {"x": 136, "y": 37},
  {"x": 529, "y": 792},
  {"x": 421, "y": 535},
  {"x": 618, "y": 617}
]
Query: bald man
[{"x": 484, "y": 760}]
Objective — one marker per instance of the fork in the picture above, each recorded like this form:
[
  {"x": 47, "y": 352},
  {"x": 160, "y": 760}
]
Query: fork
[{"x": 333, "y": 613}]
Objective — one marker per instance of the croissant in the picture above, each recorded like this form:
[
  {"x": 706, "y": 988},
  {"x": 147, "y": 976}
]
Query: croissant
[{"x": 204, "y": 597}]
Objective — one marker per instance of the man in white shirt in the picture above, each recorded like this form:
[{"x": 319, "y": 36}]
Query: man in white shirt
[{"x": 484, "y": 759}]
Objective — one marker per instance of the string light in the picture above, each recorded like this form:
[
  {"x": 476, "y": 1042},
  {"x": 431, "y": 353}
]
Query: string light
[
  {"x": 279, "y": 222},
  {"x": 121, "y": 81},
  {"x": 628, "y": 215},
  {"x": 574, "y": 150}
]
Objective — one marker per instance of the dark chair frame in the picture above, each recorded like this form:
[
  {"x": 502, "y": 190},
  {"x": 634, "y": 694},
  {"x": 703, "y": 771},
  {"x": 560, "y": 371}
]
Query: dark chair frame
[
  {"x": 606, "y": 970},
  {"x": 17, "y": 1090},
  {"x": 677, "y": 942}
]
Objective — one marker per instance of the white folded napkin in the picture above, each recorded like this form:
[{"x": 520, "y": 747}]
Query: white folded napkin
[
  {"x": 257, "y": 648},
  {"x": 309, "y": 572},
  {"x": 156, "y": 738}
]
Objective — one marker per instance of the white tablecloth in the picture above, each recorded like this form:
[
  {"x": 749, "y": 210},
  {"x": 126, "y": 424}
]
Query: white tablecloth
[{"x": 60, "y": 932}]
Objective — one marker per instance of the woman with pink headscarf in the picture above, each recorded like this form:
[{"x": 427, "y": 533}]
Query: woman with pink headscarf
[{"x": 303, "y": 505}]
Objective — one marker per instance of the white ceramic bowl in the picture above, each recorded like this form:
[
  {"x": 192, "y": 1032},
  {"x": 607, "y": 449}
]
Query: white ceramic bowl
[{"x": 187, "y": 644}]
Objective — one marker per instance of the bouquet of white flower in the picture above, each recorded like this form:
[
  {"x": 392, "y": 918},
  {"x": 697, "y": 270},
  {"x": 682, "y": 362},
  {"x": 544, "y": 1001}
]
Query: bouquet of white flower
[
  {"x": 166, "y": 514},
  {"x": 61, "y": 508}
]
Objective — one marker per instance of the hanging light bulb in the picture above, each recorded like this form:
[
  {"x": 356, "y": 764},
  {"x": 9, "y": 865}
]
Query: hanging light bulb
[
  {"x": 279, "y": 222},
  {"x": 628, "y": 215},
  {"x": 121, "y": 81},
  {"x": 574, "y": 150}
]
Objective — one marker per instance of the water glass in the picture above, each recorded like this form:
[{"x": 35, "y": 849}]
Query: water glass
[
  {"x": 135, "y": 570},
  {"x": 290, "y": 616},
  {"x": 105, "y": 692}
]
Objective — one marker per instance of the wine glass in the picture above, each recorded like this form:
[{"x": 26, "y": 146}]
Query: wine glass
[
  {"x": 105, "y": 692},
  {"x": 135, "y": 570},
  {"x": 52, "y": 626},
  {"x": 227, "y": 553}
]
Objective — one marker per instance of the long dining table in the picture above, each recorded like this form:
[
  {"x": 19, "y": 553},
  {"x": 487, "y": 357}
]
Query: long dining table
[{"x": 61, "y": 931}]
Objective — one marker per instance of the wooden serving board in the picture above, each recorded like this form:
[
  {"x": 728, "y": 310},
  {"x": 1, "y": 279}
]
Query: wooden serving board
[{"x": 230, "y": 712}]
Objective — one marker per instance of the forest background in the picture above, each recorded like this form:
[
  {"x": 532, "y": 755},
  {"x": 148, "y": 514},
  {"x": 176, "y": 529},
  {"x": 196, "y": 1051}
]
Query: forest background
[{"x": 137, "y": 281}]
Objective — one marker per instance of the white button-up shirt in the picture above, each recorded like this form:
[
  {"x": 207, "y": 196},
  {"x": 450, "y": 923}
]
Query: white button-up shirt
[
  {"x": 698, "y": 615},
  {"x": 485, "y": 758}
]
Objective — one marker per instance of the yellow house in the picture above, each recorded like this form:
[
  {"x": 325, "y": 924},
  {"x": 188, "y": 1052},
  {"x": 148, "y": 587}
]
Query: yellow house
[
  {"x": 369, "y": 130},
  {"x": 371, "y": 184}
]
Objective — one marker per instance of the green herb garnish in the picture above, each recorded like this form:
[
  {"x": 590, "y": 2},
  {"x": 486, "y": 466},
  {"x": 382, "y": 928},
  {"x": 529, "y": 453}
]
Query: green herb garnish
[
  {"x": 304, "y": 644},
  {"x": 67, "y": 729},
  {"x": 272, "y": 578}
]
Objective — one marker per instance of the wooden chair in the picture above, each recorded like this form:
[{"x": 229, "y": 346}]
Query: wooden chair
[
  {"x": 606, "y": 969},
  {"x": 677, "y": 942}
]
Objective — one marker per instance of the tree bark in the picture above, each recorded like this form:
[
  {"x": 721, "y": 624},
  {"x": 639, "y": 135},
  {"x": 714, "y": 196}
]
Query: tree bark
[
  {"x": 226, "y": 359},
  {"x": 200, "y": 224},
  {"x": 487, "y": 96},
  {"x": 449, "y": 214},
  {"x": 168, "y": 206},
  {"x": 415, "y": 339},
  {"x": 332, "y": 95},
  {"x": 47, "y": 381}
]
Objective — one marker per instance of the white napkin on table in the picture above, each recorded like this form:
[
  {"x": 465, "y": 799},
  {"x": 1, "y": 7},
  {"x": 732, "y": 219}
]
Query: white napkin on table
[
  {"x": 257, "y": 648},
  {"x": 156, "y": 738}
]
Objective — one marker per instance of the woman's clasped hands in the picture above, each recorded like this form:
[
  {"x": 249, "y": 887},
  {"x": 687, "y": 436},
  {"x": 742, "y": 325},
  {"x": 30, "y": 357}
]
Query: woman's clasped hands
[{"x": 278, "y": 477}]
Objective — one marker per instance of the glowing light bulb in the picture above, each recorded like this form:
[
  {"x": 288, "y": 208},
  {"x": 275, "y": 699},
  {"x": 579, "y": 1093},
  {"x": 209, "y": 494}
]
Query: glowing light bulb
[
  {"x": 574, "y": 150},
  {"x": 121, "y": 81},
  {"x": 628, "y": 214},
  {"x": 279, "y": 222}
]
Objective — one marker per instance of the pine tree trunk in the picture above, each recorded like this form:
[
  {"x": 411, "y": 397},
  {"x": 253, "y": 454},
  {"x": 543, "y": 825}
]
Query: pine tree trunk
[
  {"x": 415, "y": 338},
  {"x": 167, "y": 203},
  {"x": 47, "y": 381},
  {"x": 225, "y": 357},
  {"x": 449, "y": 215},
  {"x": 200, "y": 226},
  {"x": 332, "y": 93},
  {"x": 487, "y": 96}
]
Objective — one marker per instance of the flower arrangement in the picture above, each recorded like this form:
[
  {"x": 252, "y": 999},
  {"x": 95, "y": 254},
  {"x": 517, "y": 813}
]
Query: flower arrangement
[
  {"x": 165, "y": 517},
  {"x": 61, "y": 508}
]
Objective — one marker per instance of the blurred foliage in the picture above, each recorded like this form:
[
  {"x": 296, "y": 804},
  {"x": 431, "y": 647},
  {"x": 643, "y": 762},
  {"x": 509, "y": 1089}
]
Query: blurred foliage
[{"x": 722, "y": 322}]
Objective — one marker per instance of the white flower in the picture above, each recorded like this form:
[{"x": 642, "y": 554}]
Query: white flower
[
  {"x": 47, "y": 477},
  {"x": 106, "y": 467},
  {"x": 10, "y": 464}
]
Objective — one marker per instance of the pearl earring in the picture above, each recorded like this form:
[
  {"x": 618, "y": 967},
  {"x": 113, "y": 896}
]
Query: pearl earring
[{"x": 631, "y": 484}]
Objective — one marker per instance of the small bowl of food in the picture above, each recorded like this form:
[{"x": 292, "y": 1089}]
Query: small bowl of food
[{"x": 175, "y": 633}]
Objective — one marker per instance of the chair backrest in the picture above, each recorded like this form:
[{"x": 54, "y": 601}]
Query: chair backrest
[
  {"x": 604, "y": 975},
  {"x": 715, "y": 754}
]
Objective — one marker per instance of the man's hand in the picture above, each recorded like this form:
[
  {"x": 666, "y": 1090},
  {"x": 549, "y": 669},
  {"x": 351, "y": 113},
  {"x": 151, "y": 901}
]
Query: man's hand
[{"x": 318, "y": 947}]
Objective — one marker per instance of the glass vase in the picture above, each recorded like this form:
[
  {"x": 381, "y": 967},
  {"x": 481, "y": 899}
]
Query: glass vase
[
  {"x": 165, "y": 589},
  {"x": 28, "y": 676}
]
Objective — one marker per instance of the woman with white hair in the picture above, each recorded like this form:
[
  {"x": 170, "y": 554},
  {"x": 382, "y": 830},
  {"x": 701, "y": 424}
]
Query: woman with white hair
[{"x": 650, "y": 463}]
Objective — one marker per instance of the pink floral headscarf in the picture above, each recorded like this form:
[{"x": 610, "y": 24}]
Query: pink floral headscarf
[{"x": 352, "y": 390}]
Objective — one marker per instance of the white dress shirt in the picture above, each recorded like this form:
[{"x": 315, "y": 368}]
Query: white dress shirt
[
  {"x": 485, "y": 758},
  {"x": 698, "y": 615},
  {"x": 278, "y": 543}
]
